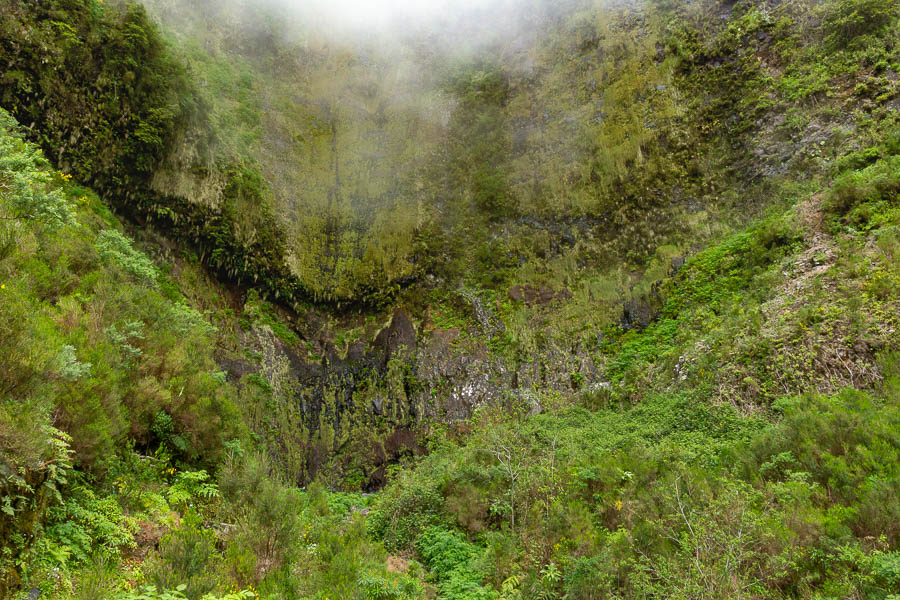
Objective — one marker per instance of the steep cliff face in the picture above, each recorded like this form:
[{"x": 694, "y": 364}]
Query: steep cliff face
[
  {"x": 577, "y": 138},
  {"x": 388, "y": 384},
  {"x": 581, "y": 139},
  {"x": 527, "y": 198},
  {"x": 580, "y": 161},
  {"x": 391, "y": 159}
]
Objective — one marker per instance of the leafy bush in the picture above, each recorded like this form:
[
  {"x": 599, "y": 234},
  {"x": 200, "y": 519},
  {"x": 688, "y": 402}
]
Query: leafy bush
[
  {"x": 150, "y": 592},
  {"x": 85, "y": 525},
  {"x": 849, "y": 443},
  {"x": 375, "y": 587},
  {"x": 268, "y": 511},
  {"x": 451, "y": 560},
  {"x": 489, "y": 191},
  {"x": 191, "y": 486},
  {"x": 187, "y": 557},
  {"x": 68, "y": 365},
  {"x": 864, "y": 198},
  {"x": 30, "y": 484},
  {"x": 444, "y": 551},
  {"x": 846, "y": 20},
  {"x": 28, "y": 190},
  {"x": 116, "y": 248},
  {"x": 714, "y": 276},
  {"x": 409, "y": 506}
]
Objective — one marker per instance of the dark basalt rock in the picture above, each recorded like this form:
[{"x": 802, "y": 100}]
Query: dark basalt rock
[
  {"x": 356, "y": 351},
  {"x": 234, "y": 367},
  {"x": 386, "y": 386},
  {"x": 637, "y": 313},
  {"x": 399, "y": 338},
  {"x": 532, "y": 295}
]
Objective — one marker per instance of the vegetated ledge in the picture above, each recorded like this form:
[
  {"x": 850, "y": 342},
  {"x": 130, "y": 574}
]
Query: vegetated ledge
[{"x": 259, "y": 264}]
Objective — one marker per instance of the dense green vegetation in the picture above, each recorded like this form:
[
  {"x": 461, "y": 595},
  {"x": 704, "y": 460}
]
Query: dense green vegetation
[
  {"x": 114, "y": 413},
  {"x": 103, "y": 95},
  {"x": 250, "y": 278}
]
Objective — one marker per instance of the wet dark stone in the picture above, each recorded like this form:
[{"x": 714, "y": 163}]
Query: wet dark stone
[
  {"x": 356, "y": 352},
  {"x": 235, "y": 368},
  {"x": 636, "y": 314},
  {"x": 398, "y": 338},
  {"x": 532, "y": 295}
]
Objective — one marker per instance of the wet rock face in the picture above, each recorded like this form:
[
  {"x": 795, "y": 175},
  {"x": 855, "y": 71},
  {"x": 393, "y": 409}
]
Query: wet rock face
[
  {"x": 235, "y": 367},
  {"x": 640, "y": 311},
  {"x": 637, "y": 313},
  {"x": 532, "y": 295},
  {"x": 490, "y": 324},
  {"x": 398, "y": 339},
  {"x": 454, "y": 382},
  {"x": 382, "y": 390}
]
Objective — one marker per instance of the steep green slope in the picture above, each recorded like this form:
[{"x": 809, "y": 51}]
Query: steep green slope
[
  {"x": 98, "y": 88},
  {"x": 114, "y": 416},
  {"x": 708, "y": 466},
  {"x": 690, "y": 474},
  {"x": 98, "y": 345}
]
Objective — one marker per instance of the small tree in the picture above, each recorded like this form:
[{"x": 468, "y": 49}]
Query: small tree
[
  {"x": 28, "y": 190},
  {"x": 511, "y": 457}
]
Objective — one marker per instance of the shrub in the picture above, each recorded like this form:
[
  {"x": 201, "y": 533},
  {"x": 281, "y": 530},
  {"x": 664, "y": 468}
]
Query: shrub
[
  {"x": 86, "y": 525},
  {"x": 489, "y": 191},
  {"x": 150, "y": 592},
  {"x": 846, "y": 20},
  {"x": 383, "y": 588},
  {"x": 30, "y": 483},
  {"x": 28, "y": 190},
  {"x": 410, "y": 505},
  {"x": 444, "y": 551},
  {"x": 268, "y": 512},
  {"x": 68, "y": 365},
  {"x": 187, "y": 557},
  {"x": 191, "y": 486},
  {"x": 849, "y": 443},
  {"x": 117, "y": 249},
  {"x": 857, "y": 197},
  {"x": 451, "y": 560},
  {"x": 587, "y": 579}
]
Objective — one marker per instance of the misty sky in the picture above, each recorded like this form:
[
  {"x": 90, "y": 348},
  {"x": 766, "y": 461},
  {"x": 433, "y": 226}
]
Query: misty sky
[{"x": 376, "y": 14}]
